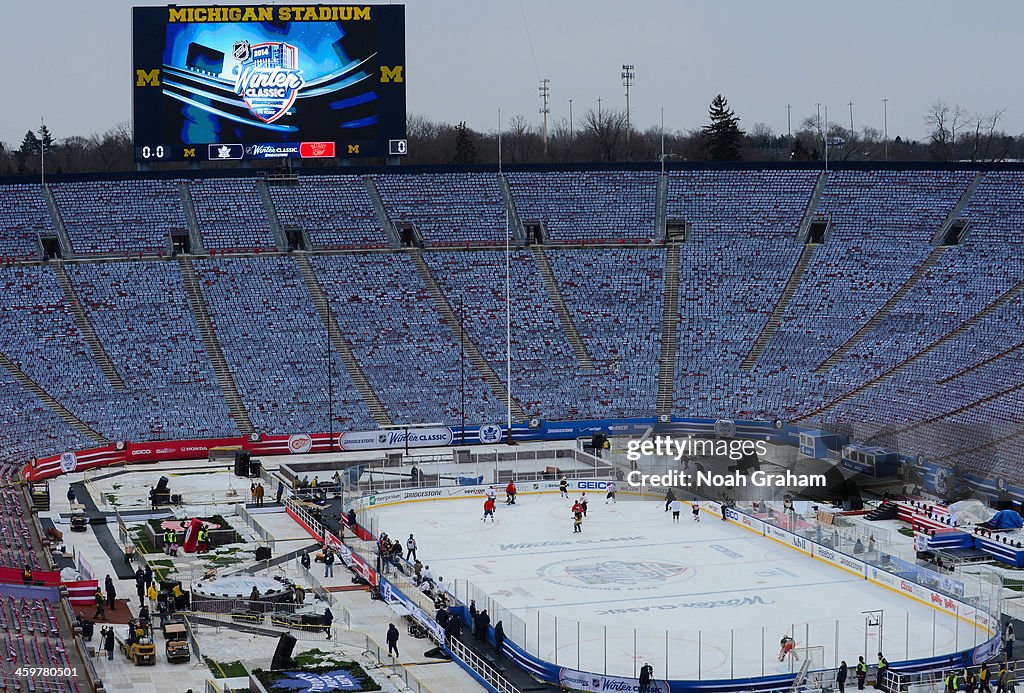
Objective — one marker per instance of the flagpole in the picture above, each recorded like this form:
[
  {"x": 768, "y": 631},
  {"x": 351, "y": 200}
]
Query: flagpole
[{"x": 508, "y": 304}]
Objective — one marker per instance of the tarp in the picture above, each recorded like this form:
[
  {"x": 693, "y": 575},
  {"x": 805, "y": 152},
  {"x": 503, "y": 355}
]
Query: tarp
[
  {"x": 970, "y": 512},
  {"x": 1006, "y": 519}
]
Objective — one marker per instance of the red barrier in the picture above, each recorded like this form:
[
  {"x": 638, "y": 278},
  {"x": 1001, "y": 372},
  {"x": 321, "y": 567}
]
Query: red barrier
[
  {"x": 164, "y": 450},
  {"x": 13, "y": 575},
  {"x": 83, "y": 592}
]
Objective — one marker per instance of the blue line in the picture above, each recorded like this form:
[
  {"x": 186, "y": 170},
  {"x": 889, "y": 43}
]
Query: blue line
[{"x": 688, "y": 594}]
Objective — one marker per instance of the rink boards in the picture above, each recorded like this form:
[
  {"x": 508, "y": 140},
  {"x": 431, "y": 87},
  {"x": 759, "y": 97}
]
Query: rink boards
[{"x": 985, "y": 623}]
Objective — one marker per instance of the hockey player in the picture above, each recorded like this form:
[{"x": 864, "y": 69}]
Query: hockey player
[
  {"x": 510, "y": 494},
  {"x": 583, "y": 504},
  {"x": 787, "y": 647},
  {"x": 677, "y": 507},
  {"x": 611, "y": 493},
  {"x": 669, "y": 497},
  {"x": 491, "y": 493},
  {"x": 577, "y": 521},
  {"x": 489, "y": 506},
  {"x": 563, "y": 487},
  {"x": 577, "y": 507},
  {"x": 696, "y": 511}
]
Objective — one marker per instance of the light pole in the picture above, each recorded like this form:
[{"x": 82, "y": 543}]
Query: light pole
[
  {"x": 851, "y": 117},
  {"x": 628, "y": 76},
  {"x": 545, "y": 92},
  {"x": 789, "y": 126},
  {"x": 885, "y": 126},
  {"x": 330, "y": 387},
  {"x": 462, "y": 367},
  {"x": 572, "y": 133}
]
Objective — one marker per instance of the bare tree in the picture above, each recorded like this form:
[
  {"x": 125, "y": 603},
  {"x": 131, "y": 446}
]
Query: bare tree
[
  {"x": 944, "y": 120},
  {"x": 523, "y": 141},
  {"x": 605, "y": 134},
  {"x": 988, "y": 143}
]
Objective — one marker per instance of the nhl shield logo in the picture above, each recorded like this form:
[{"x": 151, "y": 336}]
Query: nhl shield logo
[{"x": 268, "y": 79}]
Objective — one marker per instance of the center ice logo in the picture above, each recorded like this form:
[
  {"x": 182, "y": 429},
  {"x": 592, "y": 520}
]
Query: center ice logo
[
  {"x": 268, "y": 78},
  {"x": 615, "y": 575}
]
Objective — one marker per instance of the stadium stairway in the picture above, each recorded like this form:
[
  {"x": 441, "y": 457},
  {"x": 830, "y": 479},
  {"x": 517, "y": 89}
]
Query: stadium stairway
[
  {"x": 959, "y": 455},
  {"x": 558, "y": 301},
  {"x": 765, "y": 336},
  {"x": 195, "y": 236},
  {"x": 881, "y": 313},
  {"x": 66, "y": 250},
  {"x": 954, "y": 213},
  {"x": 85, "y": 327},
  {"x": 886, "y": 511},
  {"x": 982, "y": 364},
  {"x": 51, "y": 404},
  {"x": 448, "y": 316},
  {"x": 394, "y": 240},
  {"x": 341, "y": 345},
  {"x": 216, "y": 355},
  {"x": 268, "y": 208},
  {"x": 669, "y": 331},
  {"x": 1009, "y": 295},
  {"x": 518, "y": 231}
]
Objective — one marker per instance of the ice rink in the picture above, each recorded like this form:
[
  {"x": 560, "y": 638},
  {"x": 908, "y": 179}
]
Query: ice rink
[{"x": 706, "y": 599}]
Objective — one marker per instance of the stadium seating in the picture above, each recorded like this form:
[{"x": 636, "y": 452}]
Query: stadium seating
[
  {"x": 588, "y": 206},
  {"x": 127, "y": 218},
  {"x": 385, "y": 311},
  {"x": 737, "y": 204},
  {"x": 945, "y": 337},
  {"x": 904, "y": 205},
  {"x": 231, "y": 215},
  {"x": 142, "y": 316},
  {"x": 25, "y": 217},
  {"x": 334, "y": 211},
  {"x": 447, "y": 208},
  {"x": 275, "y": 345}
]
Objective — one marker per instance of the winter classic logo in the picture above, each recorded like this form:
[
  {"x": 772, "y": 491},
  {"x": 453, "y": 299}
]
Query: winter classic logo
[
  {"x": 68, "y": 462},
  {"x": 489, "y": 434},
  {"x": 300, "y": 442},
  {"x": 614, "y": 575},
  {"x": 267, "y": 78}
]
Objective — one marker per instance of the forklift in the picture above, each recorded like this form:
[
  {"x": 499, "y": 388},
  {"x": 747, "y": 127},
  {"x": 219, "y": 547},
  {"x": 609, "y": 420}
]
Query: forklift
[{"x": 139, "y": 646}]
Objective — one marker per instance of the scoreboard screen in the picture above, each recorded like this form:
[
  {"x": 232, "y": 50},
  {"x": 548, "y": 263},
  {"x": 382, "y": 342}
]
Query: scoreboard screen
[{"x": 216, "y": 83}]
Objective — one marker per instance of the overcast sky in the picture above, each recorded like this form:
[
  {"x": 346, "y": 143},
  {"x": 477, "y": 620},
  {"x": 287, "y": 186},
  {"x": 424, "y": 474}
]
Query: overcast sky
[{"x": 69, "y": 60}]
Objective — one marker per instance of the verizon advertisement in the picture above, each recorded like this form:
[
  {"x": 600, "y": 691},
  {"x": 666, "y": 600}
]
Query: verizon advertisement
[{"x": 392, "y": 439}]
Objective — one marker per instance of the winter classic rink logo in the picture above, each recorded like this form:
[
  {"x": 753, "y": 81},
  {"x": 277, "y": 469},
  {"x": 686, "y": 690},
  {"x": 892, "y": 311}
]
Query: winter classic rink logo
[{"x": 614, "y": 575}]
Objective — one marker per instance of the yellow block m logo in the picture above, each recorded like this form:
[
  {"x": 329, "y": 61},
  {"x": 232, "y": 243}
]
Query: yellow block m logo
[
  {"x": 353, "y": 149},
  {"x": 148, "y": 78},
  {"x": 391, "y": 74}
]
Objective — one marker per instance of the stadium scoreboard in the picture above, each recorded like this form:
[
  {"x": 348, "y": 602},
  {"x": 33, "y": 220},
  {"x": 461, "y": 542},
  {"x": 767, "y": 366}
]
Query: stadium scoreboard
[{"x": 216, "y": 83}]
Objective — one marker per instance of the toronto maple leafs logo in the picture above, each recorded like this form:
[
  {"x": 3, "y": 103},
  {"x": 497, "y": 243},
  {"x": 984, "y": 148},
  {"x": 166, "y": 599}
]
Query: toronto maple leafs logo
[{"x": 268, "y": 79}]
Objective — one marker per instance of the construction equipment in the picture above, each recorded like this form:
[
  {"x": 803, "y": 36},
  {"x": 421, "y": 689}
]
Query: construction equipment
[
  {"x": 176, "y": 648},
  {"x": 139, "y": 646}
]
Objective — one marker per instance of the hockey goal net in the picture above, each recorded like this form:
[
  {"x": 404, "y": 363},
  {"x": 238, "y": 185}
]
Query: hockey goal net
[{"x": 811, "y": 655}]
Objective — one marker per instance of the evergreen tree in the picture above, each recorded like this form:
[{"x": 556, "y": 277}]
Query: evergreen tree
[
  {"x": 29, "y": 145},
  {"x": 45, "y": 137},
  {"x": 465, "y": 148},
  {"x": 723, "y": 136}
]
